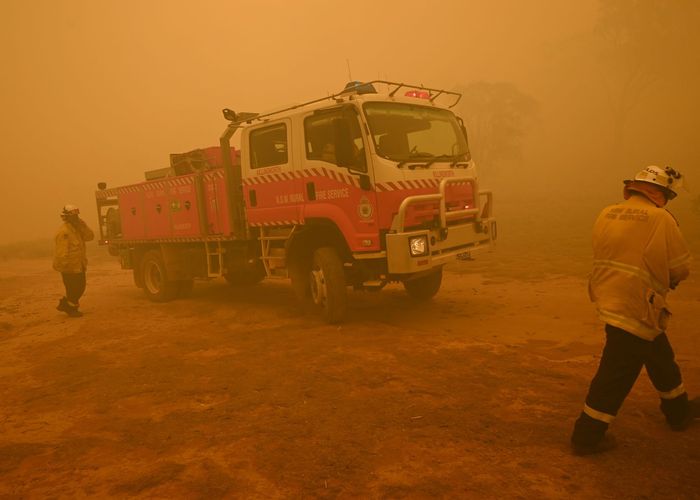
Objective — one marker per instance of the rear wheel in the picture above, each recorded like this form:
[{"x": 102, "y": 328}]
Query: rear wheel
[
  {"x": 425, "y": 287},
  {"x": 156, "y": 284},
  {"x": 327, "y": 284}
]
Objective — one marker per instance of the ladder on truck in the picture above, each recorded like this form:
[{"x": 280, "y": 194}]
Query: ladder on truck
[
  {"x": 215, "y": 258},
  {"x": 272, "y": 250}
]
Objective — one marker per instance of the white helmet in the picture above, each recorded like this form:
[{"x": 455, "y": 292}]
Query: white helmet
[
  {"x": 70, "y": 210},
  {"x": 667, "y": 178}
]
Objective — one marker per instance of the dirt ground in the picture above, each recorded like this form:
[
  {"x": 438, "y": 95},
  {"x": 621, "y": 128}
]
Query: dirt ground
[{"x": 239, "y": 393}]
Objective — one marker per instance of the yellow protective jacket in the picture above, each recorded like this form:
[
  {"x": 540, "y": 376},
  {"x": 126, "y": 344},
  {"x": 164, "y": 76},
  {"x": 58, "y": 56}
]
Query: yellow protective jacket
[
  {"x": 69, "y": 256},
  {"x": 639, "y": 254}
]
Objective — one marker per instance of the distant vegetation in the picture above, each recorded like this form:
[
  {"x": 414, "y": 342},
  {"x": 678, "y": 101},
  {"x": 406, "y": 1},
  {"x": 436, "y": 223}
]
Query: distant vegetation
[
  {"x": 43, "y": 249},
  {"x": 696, "y": 205},
  {"x": 27, "y": 249},
  {"x": 497, "y": 116}
]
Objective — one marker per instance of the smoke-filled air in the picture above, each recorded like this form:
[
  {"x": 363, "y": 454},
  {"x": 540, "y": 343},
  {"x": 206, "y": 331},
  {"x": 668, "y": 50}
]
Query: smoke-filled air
[{"x": 389, "y": 249}]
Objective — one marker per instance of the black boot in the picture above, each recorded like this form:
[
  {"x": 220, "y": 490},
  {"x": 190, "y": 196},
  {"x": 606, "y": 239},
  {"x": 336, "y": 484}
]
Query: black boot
[
  {"x": 73, "y": 311},
  {"x": 606, "y": 444},
  {"x": 693, "y": 413},
  {"x": 66, "y": 307},
  {"x": 63, "y": 305}
]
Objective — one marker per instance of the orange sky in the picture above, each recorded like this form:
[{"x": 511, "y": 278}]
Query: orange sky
[{"x": 104, "y": 90}]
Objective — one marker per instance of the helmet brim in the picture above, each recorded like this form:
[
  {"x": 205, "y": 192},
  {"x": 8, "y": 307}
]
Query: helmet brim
[{"x": 666, "y": 191}]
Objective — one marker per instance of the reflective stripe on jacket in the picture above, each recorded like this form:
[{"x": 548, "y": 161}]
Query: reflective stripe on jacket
[
  {"x": 69, "y": 255},
  {"x": 639, "y": 253}
]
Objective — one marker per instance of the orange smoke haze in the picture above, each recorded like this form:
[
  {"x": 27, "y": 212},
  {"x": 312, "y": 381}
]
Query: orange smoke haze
[{"x": 102, "y": 91}]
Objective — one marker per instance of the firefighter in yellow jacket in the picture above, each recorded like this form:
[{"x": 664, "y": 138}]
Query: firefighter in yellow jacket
[
  {"x": 70, "y": 259},
  {"x": 639, "y": 255}
]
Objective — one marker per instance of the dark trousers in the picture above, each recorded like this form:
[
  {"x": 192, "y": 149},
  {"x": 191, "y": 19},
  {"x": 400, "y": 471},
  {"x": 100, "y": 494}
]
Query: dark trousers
[
  {"x": 623, "y": 357},
  {"x": 75, "y": 286}
]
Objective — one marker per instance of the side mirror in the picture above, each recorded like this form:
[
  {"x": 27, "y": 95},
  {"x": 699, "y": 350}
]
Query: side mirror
[{"x": 467, "y": 155}]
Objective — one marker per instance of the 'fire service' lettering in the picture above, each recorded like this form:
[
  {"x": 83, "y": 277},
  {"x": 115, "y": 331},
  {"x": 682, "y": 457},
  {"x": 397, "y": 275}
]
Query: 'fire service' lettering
[
  {"x": 332, "y": 194},
  {"x": 630, "y": 214}
]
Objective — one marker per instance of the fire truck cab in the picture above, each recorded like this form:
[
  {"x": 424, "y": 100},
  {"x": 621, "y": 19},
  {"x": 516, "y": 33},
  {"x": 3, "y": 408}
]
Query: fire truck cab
[{"x": 361, "y": 188}]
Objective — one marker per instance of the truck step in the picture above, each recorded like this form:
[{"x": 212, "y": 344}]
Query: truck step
[
  {"x": 278, "y": 273},
  {"x": 215, "y": 258},
  {"x": 273, "y": 238}
]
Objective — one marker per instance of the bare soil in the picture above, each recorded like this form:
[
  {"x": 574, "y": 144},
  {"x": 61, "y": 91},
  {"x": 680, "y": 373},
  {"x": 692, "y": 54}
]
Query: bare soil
[{"x": 240, "y": 393}]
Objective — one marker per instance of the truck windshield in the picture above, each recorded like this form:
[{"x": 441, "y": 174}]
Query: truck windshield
[{"x": 407, "y": 132}]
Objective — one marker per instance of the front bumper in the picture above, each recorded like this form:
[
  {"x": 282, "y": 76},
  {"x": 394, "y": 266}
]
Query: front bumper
[
  {"x": 472, "y": 237},
  {"x": 446, "y": 241}
]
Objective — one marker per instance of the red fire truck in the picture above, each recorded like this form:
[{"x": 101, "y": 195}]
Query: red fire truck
[{"x": 360, "y": 188}]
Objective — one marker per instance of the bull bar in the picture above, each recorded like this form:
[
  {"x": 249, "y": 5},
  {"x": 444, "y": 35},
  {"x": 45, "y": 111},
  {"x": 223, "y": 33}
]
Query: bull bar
[{"x": 445, "y": 241}]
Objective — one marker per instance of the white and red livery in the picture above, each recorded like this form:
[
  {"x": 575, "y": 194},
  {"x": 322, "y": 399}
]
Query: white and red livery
[{"x": 360, "y": 188}]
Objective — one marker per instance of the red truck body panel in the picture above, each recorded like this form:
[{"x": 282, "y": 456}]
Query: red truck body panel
[
  {"x": 167, "y": 208},
  {"x": 215, "y": 203},
  {"x": 282, "y": 199}
]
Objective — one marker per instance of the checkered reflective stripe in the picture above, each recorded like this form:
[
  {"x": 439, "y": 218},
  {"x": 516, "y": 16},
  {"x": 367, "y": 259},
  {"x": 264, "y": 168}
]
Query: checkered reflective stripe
[
  {"x": 275, "y": 223},
  {"x": 302, "y": 174},
  {"x": 146, "y": 186}
]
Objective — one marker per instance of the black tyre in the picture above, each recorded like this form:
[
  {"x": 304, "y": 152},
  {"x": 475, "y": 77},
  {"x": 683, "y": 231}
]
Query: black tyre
[
  {"x": 138, "y": 276},
  {"x": 154, "y": 277},
  {"x": 425, "y": 287},
  {"x": 327, "y": 284},
  {"x": 299, "y": 272}
]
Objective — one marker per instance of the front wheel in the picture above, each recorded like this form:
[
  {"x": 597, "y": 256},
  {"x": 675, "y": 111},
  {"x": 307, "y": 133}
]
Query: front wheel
[
  {"x": 156, "y": 284},
  {"x": 327, "y": 284},
  {"x": 425, "y": 287}
]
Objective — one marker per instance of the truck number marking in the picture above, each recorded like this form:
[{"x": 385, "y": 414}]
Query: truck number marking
[
  {"x": 443, "y": 173},
  {"x": 269, "y": 170}
]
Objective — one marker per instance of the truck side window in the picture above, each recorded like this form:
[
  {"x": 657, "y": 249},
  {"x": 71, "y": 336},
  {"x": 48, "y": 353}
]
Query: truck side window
[
  {"x": 268, "y": 146},
  {"x": 321, "y": 136}
]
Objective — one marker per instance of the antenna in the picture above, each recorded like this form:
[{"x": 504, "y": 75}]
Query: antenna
[{"x": 347, "y": 61}]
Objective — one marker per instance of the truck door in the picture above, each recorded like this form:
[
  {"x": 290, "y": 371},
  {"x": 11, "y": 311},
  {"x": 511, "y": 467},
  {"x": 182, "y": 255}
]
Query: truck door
[
  {"x": 273, "y": 194},
  {"x": 336, "y": 175}
]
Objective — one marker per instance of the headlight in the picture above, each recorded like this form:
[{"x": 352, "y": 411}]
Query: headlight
[{"x": 418, "y": 245}]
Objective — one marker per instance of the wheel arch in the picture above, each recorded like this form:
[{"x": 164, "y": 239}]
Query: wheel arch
[
  {"x": 134, "y": 256},
  {"x": 158, "y": 284},
  {"x": 315, "y": 233}
]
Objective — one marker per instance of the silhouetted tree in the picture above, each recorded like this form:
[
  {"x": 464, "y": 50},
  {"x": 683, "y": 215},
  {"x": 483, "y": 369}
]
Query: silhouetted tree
[
  {"x": 639, "y": 43},
  {"x": 496, "y": 116},
  {"x": 695, "y": 203}
]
